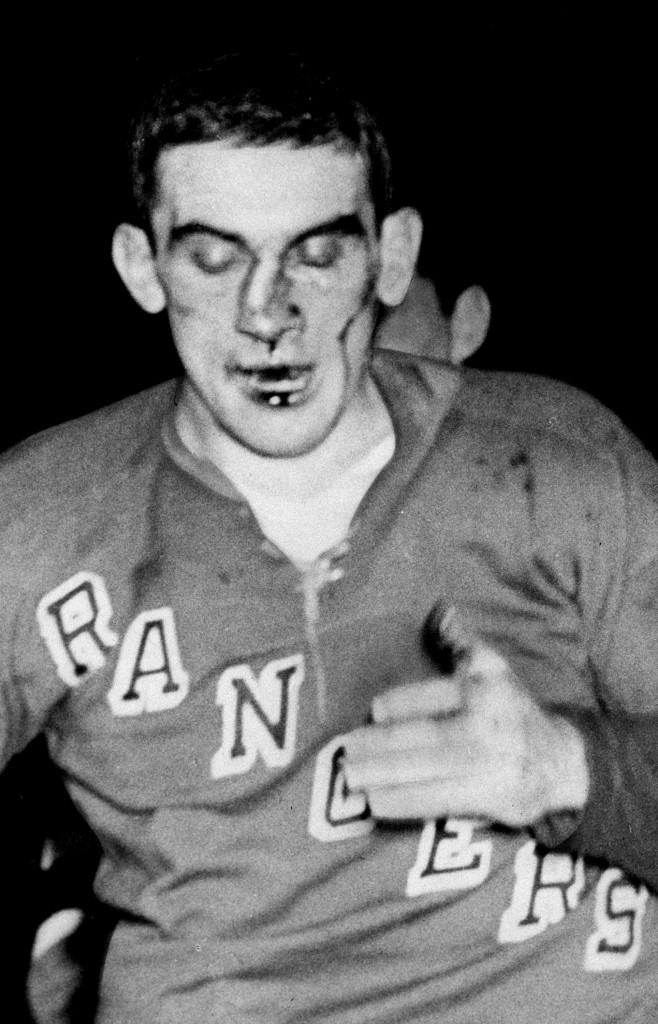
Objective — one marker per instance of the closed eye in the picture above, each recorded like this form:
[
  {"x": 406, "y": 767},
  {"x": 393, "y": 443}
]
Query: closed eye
[
  {"x": 214, "y": 255},
  {"x": 319, "y": 251}
]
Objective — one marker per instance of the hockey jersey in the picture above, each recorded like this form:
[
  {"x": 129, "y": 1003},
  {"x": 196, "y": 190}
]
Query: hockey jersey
[{"x": 196, "y": 688}]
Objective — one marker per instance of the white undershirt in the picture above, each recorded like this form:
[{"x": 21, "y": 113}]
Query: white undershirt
[{"x": 305, "y": 505}]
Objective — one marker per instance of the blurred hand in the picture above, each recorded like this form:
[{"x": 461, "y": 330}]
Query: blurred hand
[{"x": 473, "y": 743}]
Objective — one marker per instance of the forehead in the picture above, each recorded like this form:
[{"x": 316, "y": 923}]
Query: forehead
[{"x": 251, "y": 189}]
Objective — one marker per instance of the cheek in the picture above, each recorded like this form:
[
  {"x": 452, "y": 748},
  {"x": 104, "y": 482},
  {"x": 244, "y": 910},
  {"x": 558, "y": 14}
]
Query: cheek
[
  {"x": 331, "y": 304},
  {"x": 211, "y": 299},
  {"x": 201, "y": 325}
]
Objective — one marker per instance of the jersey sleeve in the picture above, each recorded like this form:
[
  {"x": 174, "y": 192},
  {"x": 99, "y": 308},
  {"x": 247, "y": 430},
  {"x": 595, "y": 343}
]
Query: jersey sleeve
[
  {"x": 619, "y": 824},
  {"x": 24, "y": 706},
  {"x": 29, "y": 685}
]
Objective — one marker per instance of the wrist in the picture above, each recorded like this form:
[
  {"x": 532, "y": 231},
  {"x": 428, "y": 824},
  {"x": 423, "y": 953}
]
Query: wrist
[{"x": 569, "y": 782}]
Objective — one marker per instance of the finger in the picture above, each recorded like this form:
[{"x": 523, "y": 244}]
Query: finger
[
  {"x": 446, "y": 638},
  {"x": 485, "y": 663},
  {"x": 382, "y": 740},
  {"x": 422, "y": 801},
  {"x": 453, "y": 627},
  {"x": 449, "y": 637},
  {"x": 480, "y": 794},
  {"x": 417, "y": 700},
  {"x": 396, "y": 768}
]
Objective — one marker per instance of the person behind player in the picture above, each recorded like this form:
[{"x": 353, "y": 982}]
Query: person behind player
[
  {"x": 332, "y": 647},
  {"x": 420, "y": 326}
]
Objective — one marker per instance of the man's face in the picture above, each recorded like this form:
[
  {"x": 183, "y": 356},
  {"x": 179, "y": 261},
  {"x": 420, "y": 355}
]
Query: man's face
[{"x": 268, "y": 257}]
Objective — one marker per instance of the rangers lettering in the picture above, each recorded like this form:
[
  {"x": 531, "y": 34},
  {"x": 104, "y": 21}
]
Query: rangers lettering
[
  {"x": 547, "y": 886},
  {"x": 620, "y": 906},
  {"x": 336, "y": 813},
  {"x": 149, "y": 675},
  {"x": 73, "y": 620},
  {"x": 448, "y": 858},
  {"x": 259, "y": 715}
]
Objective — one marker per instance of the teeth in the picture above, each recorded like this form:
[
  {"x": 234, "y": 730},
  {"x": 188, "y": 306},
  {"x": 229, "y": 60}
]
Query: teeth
[
  {"x": 277, "y": 387},
  {"x": 283, "y": 399},
  {"x": 287, "y": 378}
]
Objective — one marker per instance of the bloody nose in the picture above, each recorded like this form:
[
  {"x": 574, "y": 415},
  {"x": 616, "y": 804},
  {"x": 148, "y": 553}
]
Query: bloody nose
[{"x": 267, "y": 310}]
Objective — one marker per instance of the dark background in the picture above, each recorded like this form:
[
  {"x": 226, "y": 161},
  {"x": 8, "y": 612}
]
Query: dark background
[{"x": 527, "y": 144}]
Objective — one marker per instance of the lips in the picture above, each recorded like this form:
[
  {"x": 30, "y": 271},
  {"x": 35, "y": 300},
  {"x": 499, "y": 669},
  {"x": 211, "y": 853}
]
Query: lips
[{"x": 275, "y": 385}]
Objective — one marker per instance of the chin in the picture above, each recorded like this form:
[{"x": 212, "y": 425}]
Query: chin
[
  {"x": 281, "y": 439},
  {"x": 284, "y": 448},
  {"x": 287, "y": 432}
]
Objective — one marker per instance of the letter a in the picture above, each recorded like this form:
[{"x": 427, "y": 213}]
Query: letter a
[{"x": 149, "y": 675}]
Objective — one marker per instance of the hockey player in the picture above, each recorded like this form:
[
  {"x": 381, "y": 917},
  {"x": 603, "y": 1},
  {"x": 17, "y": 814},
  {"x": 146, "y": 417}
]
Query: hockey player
[
  {"x": 68, "y": 942},
  {"x": 348, "y": 659}
]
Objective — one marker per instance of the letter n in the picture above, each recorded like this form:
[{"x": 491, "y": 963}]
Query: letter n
[
  {"x": 259, "y": 715},
  {"x": 149, "y": 675},
  {"x": 73, "y": 620}
]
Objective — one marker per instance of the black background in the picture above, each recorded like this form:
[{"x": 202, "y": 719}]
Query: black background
[{"x": 526, "y": 143}]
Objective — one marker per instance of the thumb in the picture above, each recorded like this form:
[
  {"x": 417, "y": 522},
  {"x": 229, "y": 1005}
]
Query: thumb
[
  {"x": 455, "y": 646},
  {"x": 447, "y": 638}
]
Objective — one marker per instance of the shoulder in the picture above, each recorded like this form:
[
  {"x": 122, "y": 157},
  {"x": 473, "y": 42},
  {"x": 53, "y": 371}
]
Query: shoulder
[
  {"x": 559, "y": 418},
  {"x": 570, "y": 437},
  {"x": 510, "y": 404},
  {"x": 83, "y": 454},
  {"x": 76, "y": 477},
  {"x": 540, "y": 404}
]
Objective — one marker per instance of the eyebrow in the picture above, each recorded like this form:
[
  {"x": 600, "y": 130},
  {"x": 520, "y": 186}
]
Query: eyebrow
[{"x": 348, "y": 225}]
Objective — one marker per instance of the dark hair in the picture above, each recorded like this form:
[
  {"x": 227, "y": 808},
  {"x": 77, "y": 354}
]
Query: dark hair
[{"x": 256, "y": 100}]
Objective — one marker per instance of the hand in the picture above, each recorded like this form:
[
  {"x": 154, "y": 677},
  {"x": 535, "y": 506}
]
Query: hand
[{"x": 473, "y": 744}]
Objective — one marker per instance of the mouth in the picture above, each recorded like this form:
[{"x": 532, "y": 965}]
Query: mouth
[{"x": 275, "y": 386}]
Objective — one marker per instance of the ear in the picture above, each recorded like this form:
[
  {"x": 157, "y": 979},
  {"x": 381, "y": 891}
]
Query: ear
[
  {"x": 401, "y": 234},
  {"x": 135, "y": 264},
  {"x": 469, "y": 323}
]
